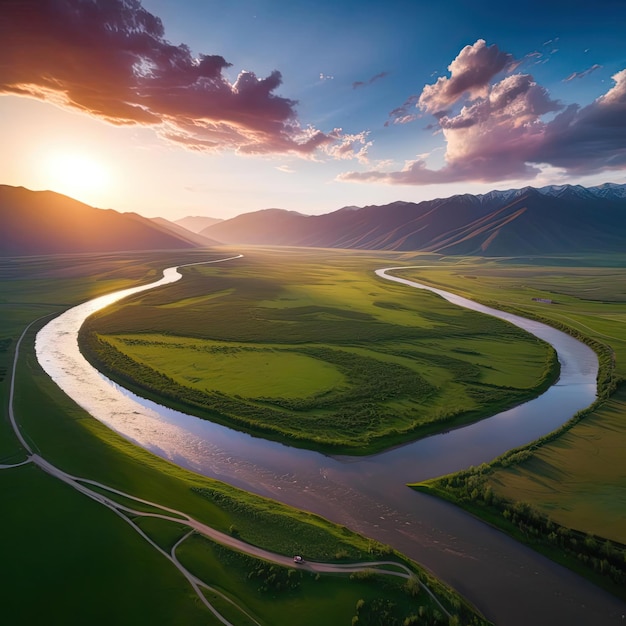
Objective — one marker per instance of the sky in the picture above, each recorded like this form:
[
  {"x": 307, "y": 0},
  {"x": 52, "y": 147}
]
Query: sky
[{"x": 171, "y": 108}]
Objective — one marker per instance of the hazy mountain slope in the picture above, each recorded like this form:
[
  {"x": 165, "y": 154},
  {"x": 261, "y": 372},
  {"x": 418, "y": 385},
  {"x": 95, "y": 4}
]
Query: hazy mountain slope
[
  {"x": 181, "y": 231},
  {"x": 273, "y": 226},
  {"x": 196, "y": 223},
  {"x": 514, "y": 222},
  {"x": 44, "y": 222},
  {"x": 528, "y": 221},
  {"x": 536, "y": 223}
]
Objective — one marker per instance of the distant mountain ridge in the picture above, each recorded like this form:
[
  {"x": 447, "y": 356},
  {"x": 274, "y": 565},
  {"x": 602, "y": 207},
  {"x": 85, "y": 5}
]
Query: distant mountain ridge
[
  {"x": 607, "y": 190},
  {"x": 196, "y": 223},
  {"x": 551, "y": 219},
  {"x": 515, "y": 222},
  {"x": 45, "y": 222},
  {"x": 185, "y": 233}
]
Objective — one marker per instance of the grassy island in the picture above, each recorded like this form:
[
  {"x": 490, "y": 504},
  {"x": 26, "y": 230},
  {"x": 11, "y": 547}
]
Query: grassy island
[
  {"x": 311, "y": 348},
  {"x": 84, "y": 564}
]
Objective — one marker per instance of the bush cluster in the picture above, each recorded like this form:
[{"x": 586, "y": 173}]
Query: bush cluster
[
  {"x": 604, "y": 557},
  {"x": 273, "y": 578}
]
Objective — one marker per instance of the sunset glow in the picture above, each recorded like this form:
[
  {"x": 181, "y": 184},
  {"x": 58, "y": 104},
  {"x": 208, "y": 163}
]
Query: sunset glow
[
  {"x": 313, "y": 312},
  {"x": 75, "y": 174},
  {"x": 260, "y": 104}
]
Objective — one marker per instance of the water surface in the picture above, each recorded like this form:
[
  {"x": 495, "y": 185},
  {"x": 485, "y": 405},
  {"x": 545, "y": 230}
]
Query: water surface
[{"x": 508, "y": 582}]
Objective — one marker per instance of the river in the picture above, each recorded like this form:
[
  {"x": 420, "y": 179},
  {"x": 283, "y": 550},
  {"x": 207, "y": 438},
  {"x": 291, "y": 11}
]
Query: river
[{"x": 511, "y": 584}]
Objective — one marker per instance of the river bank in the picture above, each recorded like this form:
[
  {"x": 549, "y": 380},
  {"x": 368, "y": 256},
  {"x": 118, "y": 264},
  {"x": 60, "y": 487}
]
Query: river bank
[{"x": 369, "y": 494}]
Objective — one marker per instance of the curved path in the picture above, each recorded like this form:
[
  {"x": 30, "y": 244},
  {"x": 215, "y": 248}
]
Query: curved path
[
  {"x": 129, "y": 515},
  {"x": 511, "y": 584}
]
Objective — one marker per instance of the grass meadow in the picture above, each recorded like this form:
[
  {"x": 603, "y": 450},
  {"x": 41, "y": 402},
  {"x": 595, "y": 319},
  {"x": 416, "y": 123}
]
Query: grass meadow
[
  {"x": 278, "y": 599},
  {"x": 311, "y": 348},
  {"x": 83, "y": 564},
  {"x": 575, "y": 482}
]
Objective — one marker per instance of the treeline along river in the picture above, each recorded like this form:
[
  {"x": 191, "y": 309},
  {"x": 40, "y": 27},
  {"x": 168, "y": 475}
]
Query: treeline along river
[{"x": 510, "y": 583}]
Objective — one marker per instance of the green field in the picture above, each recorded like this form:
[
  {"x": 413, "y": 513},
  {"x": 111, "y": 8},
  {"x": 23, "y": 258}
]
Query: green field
[
  {"x": 68, "y": 560},
  {"x": 579, "y": 480},
  {"x": 288, "y": 598},
  {"x": 247, "y": 370},
  {"x": 566, "y": 492},
  {"x": 310, "y": 347},
  {"x": 575, "y": 482}
]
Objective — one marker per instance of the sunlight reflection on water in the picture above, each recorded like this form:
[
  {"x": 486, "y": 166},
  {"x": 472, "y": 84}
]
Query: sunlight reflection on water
[
  {"x": 367, "y": 494},
  {"x": 268, "y": 467}
]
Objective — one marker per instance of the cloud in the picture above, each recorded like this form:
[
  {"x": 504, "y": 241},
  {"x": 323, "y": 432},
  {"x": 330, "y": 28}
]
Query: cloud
[
  {"x": 373, "y": 79},
  {"x": 403, "y": 114},
  {"x": 110, "y": 59},
  {"x": 590, "y": 139},
  {"x": 350, "y": 146},
  {"x": 470, "y": 74},
  {"x": 582, "y": 74},
  {"x": 497, "y": 131}
]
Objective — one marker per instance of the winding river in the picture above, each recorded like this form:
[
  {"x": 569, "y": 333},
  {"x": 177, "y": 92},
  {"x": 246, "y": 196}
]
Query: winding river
[{"x": 511, "y": 584}]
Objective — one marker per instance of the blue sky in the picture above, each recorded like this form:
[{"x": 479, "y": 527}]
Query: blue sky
[{"x": 308, "y": 106}]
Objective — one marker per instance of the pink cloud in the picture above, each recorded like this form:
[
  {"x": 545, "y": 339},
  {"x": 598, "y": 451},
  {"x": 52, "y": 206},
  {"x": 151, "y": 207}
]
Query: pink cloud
[
  {"x": 499, "y": 132},
  {"x": 349, "y": 146},
  {"x": 403, "y": 114},
  {"x": 470, "y": 74},
  {"x": 616, "y": 96},
  {"x": 495, "y": 136},
  {"x": 590, "y": 139},
  {"x": 582, "y": 74},
  {"x": 111, "y": 60}
]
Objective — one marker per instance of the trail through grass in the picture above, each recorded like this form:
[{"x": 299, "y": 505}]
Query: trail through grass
[{"x": 79, "y": 561}]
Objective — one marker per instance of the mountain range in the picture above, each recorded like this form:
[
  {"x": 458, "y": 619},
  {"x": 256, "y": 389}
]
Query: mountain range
[
  {"x": 44, "y": 222},
  {"x": 553, "y": 219},
  {"x": 517, "y": 222}
]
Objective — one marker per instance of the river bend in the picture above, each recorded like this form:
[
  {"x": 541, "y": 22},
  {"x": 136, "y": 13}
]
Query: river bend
[{"x": 511, "y": 584}]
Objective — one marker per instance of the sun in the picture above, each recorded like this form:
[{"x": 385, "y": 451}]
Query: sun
[{"x": 76, "y": 173}]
